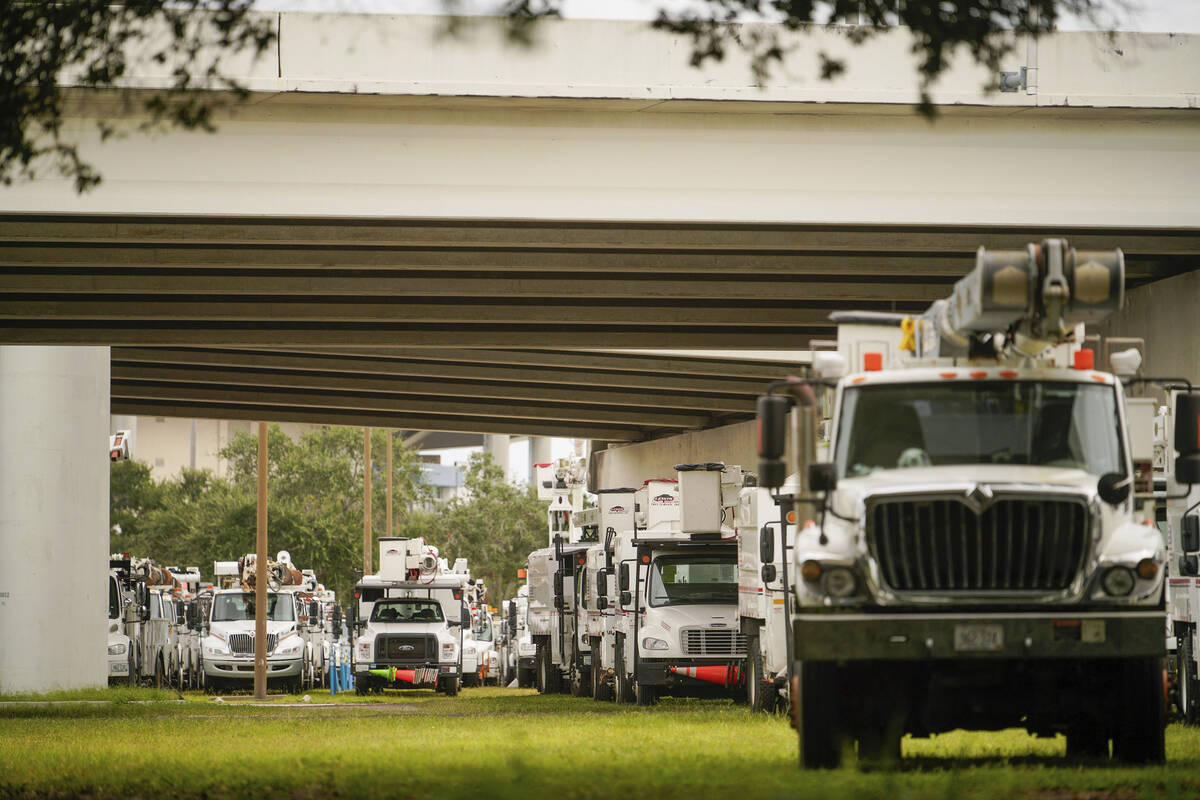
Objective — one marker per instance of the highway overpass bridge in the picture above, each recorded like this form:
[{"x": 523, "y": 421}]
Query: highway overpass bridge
[{"x": 406, "y": 230}]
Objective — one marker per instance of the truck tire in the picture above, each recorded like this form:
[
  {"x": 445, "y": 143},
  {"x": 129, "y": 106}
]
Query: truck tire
[
  {"x": 1140, "y": 733},
  {"x": 818, "y": 723},
  {"x": 450, "y": 686},
  {"x": 581, "y": 682},
  {"x": 761, "y": 694},
  {"x": 1087, "y": 742},
  {"x": 622, "y": 684},
  {"x": 1186, "y": 678},
  {"x": 601, "y": 688},
  {"x": 160, "y": 672},
  {"x": 525, "y": 677},
  {"x": 645, "y": 695},
  {"x": 548, "y": 677}
]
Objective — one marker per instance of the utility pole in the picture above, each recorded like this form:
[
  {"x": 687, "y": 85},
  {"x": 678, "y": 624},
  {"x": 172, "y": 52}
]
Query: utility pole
[
  {"x": 390, "y": 443},
  {"x": 260, "y": 573},
  {"x": 367, "y": 501}
]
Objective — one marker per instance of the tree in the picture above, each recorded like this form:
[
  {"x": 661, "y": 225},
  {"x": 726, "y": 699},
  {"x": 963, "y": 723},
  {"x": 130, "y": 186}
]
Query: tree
[
  {"x": 494, "y": 527},
  {"x": 315, "y": 503},
  {"x": 89, "y": 44}
]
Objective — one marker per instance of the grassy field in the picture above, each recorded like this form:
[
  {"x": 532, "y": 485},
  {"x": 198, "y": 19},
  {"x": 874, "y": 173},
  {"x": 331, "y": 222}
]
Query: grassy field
[{"x": 501, "y": 743}]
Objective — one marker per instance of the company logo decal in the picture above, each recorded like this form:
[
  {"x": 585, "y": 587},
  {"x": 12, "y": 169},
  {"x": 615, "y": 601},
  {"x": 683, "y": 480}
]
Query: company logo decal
[
  {"x": 392, "y": 553},
  {"x": 665, "y": 498},
  {"x": 617, "y": 510}
]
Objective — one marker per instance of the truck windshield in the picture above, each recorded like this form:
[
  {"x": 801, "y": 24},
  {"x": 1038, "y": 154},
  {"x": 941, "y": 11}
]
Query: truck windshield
[
  {"x": 689, "y": 580},
  {"x": 407, "y": 609},
  {"x": 240, "y": 606},
  {"x": 1060, "y": 424},
  {"x": 484, "y": 632},
  {"x": 114, "y": 599}
]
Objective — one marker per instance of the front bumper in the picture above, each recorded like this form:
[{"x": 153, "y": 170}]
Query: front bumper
[
  {"x": 1042, "y": 635},
  {"x": 118, "y": 667},
  {"x": 243, "y": 668},
  {"x": 657, "y": 671},
  {"x": 526, "y": 662}
]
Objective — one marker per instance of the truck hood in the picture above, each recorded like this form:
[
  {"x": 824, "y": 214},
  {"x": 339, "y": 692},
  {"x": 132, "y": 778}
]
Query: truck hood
[
  {"x": 224, "y": 629},
  {"x": 688, "y": 616},
  {"x": 961, "y": 478}
]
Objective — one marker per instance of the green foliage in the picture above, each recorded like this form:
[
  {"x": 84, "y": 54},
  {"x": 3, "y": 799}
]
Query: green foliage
[
  {"x": 315, "y": 503},
  {"x": 494, "y": 527},
  {"x": 93, "y": 44}
]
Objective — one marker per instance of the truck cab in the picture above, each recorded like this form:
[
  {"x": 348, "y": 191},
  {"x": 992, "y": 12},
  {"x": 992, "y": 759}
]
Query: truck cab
[
  {"x": 229, "y": 640},
  {"x": 121, "y": 605}
]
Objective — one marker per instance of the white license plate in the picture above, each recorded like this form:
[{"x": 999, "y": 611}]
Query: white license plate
[
  {"x": 976, "y": 637},
  {"x": 119, "y": 668}
]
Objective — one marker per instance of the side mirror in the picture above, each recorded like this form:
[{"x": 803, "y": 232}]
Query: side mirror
[
  {"x": 558, "y": 602},
  {"x": 768, "y": 573},
  {"x": 1187, "y": 438},
  {"x": 772, "y": 437},
  {"x": 602, "y": 583},
  {"x": 1113, "y": 488},
  {"x": 558, "y": 584},
  {"x": 314, "y": 613},
  {"x": 626, "y": 599},
  {"x": 766, "y": 544},
  {"x": 464, "y": 618},
  {"x": 512, "y": 618},
  {"x": 1189, "y": 566},
  {"x": 1190, "y": 534},
  {"x": 822, "y": 477},
  {"x": 623, "y": 581},
  {"x": 601, "y": 602}
]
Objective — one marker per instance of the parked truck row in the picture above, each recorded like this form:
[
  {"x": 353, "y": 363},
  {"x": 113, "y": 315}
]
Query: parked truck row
[{"x": 168, "y": 628}]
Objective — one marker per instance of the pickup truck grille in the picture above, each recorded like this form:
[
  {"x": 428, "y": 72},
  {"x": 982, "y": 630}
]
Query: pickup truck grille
[
  {"x": 713, "y": 642},
  {"x": 243, "y": 643},
  {"x": 405, "y": 648},
  {"x": 945, "y": 545}
]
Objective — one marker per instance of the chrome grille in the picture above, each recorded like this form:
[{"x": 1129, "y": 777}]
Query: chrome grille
[
  {"x": 713, "y": 642},
  {"x": 944, "y": 545},
  {"x": 243, "y": 643}
]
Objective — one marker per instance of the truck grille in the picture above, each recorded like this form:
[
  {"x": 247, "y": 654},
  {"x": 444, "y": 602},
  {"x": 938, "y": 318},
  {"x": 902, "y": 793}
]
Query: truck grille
[
  {"x": 405, "y": 648},
  {"x": 713, "y": 642},
  {"x": 944, "y": 545},
  {"x": 243, "y": 643}
]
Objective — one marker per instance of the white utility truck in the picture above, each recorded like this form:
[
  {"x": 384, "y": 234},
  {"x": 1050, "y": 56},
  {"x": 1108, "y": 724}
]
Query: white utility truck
[
  {"x": 676, "y": 630},
  {"x": 526, "y": 649},
  {"x": 409, "y": 620},
  {"x": 128, "y": 609},
  {"x": 563, "y": 659},
  {"x": 973, "y": 555},
  {"x": 229, "y": 640},
  {"x": 612, "y": 516}
]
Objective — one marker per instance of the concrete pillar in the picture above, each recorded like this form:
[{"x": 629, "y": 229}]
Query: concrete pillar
[
  {"x": 539, "y": 453},
  {"x": 53, "y": 517},
  {"x": 629, "y": 464},
  {"x": 1166, "y": 314},
  {"x": 497, "y": 445}
]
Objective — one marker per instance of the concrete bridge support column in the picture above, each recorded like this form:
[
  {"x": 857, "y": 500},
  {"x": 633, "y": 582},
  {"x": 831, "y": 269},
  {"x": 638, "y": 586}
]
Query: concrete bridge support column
[
  {"x": 54, "y": 544},
  {"x": 497, "y": 445},
  {"x": 1166, "y": 314},
  {"x": 539, "y": 453}
]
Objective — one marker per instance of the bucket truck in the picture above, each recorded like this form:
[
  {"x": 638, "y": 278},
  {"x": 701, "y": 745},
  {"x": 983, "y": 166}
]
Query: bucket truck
[
  {"x": 410, "y": 619},
  {"x": 976, "y": 553},
  {"x": 563, "y": 658},
  {"x": 676, "y": 628}
]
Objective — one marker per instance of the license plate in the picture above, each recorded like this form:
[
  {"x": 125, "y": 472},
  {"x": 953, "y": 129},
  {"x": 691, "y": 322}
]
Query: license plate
[
  {"x": 986, "y": 638},
  {"x": 119, "y": 668}
]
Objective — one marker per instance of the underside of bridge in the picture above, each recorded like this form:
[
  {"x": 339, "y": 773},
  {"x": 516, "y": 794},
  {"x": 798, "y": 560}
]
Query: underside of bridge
[{"x": 489, "y": 326}]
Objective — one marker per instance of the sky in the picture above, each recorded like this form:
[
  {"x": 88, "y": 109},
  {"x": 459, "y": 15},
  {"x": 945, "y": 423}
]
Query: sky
[{"x": 1149, "y": 16}]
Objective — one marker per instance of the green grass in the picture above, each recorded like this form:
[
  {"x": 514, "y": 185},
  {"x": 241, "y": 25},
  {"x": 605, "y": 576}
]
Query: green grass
[
  {"x": 500, "y": 743},
  {"x": 116, "y": 694}
]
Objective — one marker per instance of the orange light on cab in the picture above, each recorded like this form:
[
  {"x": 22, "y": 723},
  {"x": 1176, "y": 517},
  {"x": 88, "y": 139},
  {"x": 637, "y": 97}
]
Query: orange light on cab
[{"x": 872, "y": 362}]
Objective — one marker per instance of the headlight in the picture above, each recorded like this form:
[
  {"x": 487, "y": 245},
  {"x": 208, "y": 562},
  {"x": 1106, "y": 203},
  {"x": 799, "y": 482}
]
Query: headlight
[
  {"x": 290, "y": 648},
  {"x": 116, "y": 649},
  {"x": 364, "y": 651},
  {"x": 839, "y": 582},
  {"x": 447, "y": 651},
  {"x": 214, "y": 645},
  {"x": 650, "y": 643},
  {"x": 468, "y": 651},
  {"x": 1118, "y": 581}
]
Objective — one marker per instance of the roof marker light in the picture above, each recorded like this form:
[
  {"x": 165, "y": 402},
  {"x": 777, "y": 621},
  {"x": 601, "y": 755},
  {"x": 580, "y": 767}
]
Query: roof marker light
[
  {"x": 1008, "y": 373},
  {"x": 1085, "y": 359},
  {"x": 948, "y": 375},
  {"x": 872, "y": 362},
  {"x": 979, "y": 374}
]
